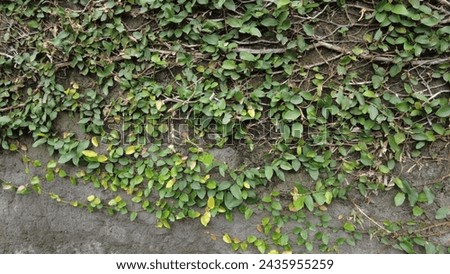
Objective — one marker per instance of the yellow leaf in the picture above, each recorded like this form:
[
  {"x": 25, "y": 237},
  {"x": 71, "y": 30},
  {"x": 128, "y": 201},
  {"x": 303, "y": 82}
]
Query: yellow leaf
[
  {"x": 259, "y": 228},
  {"x": 192, "y": 164},
  {"x": 227, "y": 239},
  {"x": 251, "y": 111},
  {"x": 200, "y": 68},
  {"x": 292, "y": 208},
  {"x": 89, "y": 153},
  {"x": 102, "y": 158},
  {"x": 21, "y": 188},
  {"x": 273, "y": 251},
  {"x": 170, "y": 183},
  {"x": 104, "y": 184},
  {"x": 211, "y": 202},
  {"x": 158, "y": 104},
  {"x": 94, "y": 141},
  {"x": 205, "y": 218},
  {"x": 130, "y": 150},
  {"x": 247, "y": 185},
  {"x": 91, "y": 198}
]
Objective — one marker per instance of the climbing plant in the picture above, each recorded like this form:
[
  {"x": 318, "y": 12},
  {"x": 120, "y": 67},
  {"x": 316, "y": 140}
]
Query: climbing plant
[{"x": 340, "y": 90}]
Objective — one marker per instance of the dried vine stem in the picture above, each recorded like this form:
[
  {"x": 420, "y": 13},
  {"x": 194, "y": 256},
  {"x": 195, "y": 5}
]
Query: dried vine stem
[
  {"x": 368, "y": 217},
  {"x": 444, "y": 2},
  {"x": 12, "y": 107},
  {"x": 383, "y": 59},
  {"x": 261, "y": 51},
  {"x": 432, "y": 226},
  {"x": 6, "y": 55}
]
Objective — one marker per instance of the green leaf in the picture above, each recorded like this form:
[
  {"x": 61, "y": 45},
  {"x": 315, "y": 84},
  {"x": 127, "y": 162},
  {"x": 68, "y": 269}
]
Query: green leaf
[
  {"x": 430, "y": 248},
  {"x": 51, "y": 164},
  {"x": 64, "y": 158},
  {"x": 133, "y": 215},
  {"x": 268, "y": 172},
  {"x": 357, "y": 50},
  {"x": 399, "y": 138},
  {"x": 319, "y": 197},
  {"x": 282, "y": 3},
  {"x": 276, "y": 205},
  {"x": 229, "y": 4},
  {"x": 400, "y": 9},
  {"x": 314, "y": 173},
  {"x": 212, "y": 39},
  {"x": 248, "y": 213},
  {"x": 35, "y": 180},
  {"x": 377, "y": 81},
  {"x": 219, "y": 3},
  {"x": 4, "y": 120},
  {"x": 438, "y": 128},
  {"x": 229, "y": 64},
  {"x": 107, "y": 71},
  {"x": 443, "y": 111},
  {"x": 430, "y": 21},
  {"x": 226, "y": 118},
  {"x": 429, "y": 195},
  {"x": 236, "y": 191},
  {"x": 234, "y": 22},
  {"x": 399, "y": 198},
  {"x": 207, "y": 159},
  {"x": 349, "y": 227},
  {"x": 328, "y": 197},
  {"x": 407, "y": 247},
  {"x": 297, "y": 130},
  {"x": 269, "y": 22},
  {"x": 417, "y": 211},
  {"x": 442, "y": 213},
  {"x": 255, "y": 32},
  {"x": 247, "y": 56},
  {"x": 291, "y": 115},
  {"x": 373, "y": 112},
  {"x": 89, "y": 153},
  {"x": 231, "y": 202},
  {"x": 309, "y": 202},
  {"x": 414, "y": 3},
  {"x": 33, "y": 24},
  {"x": 308, "y": 29}
]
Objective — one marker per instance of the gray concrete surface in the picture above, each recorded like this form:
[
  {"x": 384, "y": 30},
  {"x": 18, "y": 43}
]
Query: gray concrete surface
[{"x": 36, "y": 224}]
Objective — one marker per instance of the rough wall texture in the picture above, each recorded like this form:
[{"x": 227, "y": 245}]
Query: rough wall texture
[{"x": 36, "y": 224}]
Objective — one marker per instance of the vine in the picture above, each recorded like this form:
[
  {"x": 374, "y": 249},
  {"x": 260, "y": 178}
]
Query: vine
[{"x": 343, "y": 91}]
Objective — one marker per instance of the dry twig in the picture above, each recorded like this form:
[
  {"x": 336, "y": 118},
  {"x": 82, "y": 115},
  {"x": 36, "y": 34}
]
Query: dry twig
[{"x": 12, "y": 107}]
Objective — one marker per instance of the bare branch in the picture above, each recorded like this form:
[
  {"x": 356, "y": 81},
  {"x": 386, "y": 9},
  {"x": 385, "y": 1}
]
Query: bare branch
[
  {"x": 261, "y": 51},
  {"x": 12, "y": 107},
  {"x": 6, "y": 55},
  {"x": 444, "y": 2},
  {"x": 310, "y": 66},
  {"x": 383, "y": 59},
  {"x": 372, "y": 220}
]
